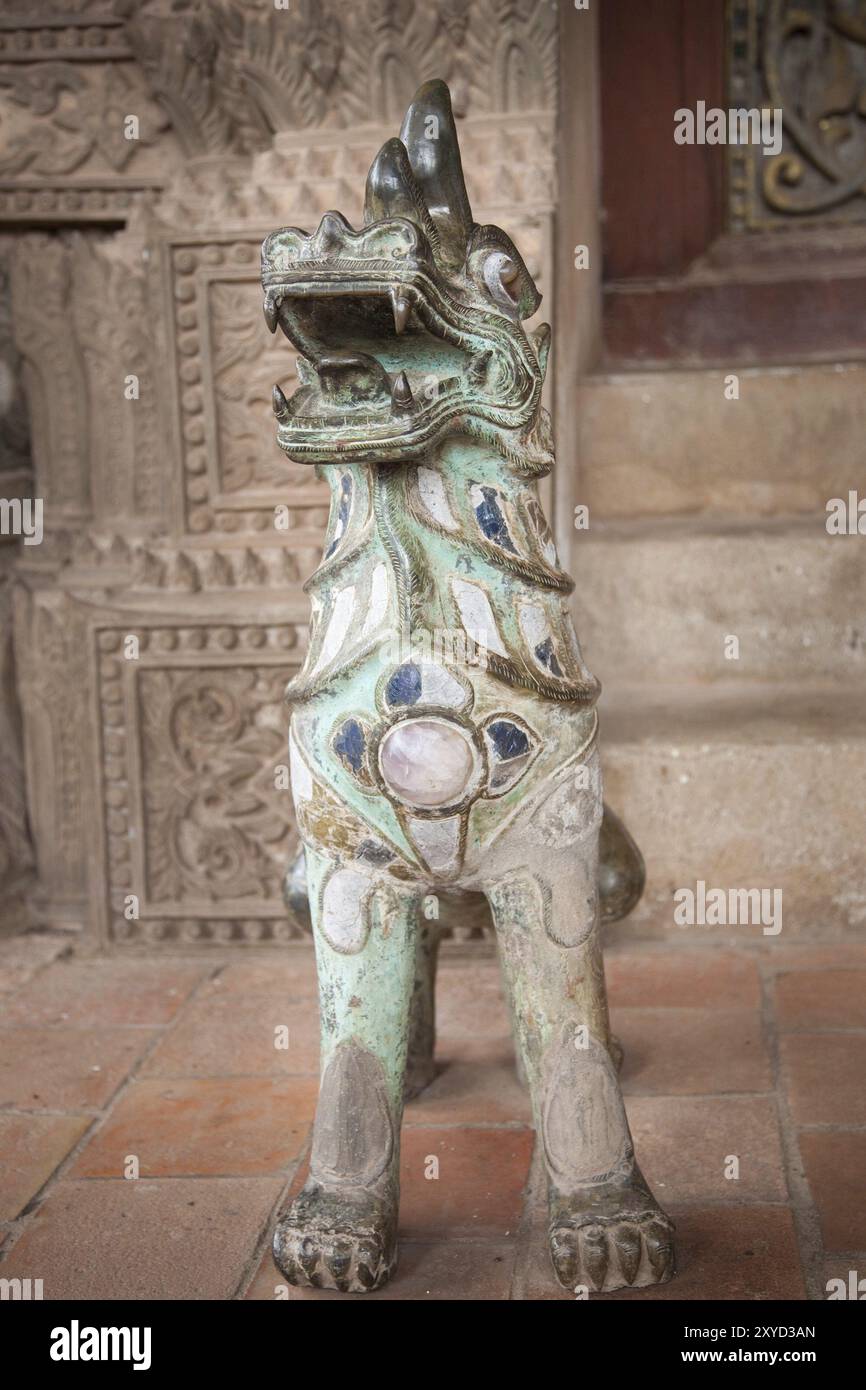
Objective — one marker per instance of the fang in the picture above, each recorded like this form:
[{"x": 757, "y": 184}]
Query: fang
[{"x": 401, "y": 309}]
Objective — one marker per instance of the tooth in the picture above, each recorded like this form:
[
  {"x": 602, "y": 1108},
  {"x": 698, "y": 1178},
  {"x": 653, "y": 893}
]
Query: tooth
[
  {"x": 401, "y": 309},
  {"x": 280, "y": 404},
  {"x": 401, "y": 392},
  {"x": 271, "y": 307}
]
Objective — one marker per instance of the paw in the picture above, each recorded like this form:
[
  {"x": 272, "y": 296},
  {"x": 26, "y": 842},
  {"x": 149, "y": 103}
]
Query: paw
[
  {"x": 619, "y": 1254},
  {"x": 611, "y": 1236},
  {"x": 334, "y": 1240}
]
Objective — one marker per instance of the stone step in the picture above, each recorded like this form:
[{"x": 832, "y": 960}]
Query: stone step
[
  {"x": 758, "y": 787},
  {"x": 670, "y": 443},
  {"x": 656, "y": 601}
]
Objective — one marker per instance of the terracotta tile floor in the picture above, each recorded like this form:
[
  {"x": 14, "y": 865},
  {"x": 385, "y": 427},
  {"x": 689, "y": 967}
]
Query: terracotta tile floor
[{"x": 169, "y": 1071}]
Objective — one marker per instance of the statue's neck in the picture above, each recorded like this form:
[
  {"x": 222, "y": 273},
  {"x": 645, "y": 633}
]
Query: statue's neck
[{"x": 452, "y": 545}]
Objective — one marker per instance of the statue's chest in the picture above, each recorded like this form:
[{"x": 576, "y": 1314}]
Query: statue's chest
[{"x": 410, "y": 758}]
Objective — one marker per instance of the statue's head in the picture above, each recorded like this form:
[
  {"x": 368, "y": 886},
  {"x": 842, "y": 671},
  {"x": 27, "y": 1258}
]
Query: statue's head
[{"x": 410, "y": 328}]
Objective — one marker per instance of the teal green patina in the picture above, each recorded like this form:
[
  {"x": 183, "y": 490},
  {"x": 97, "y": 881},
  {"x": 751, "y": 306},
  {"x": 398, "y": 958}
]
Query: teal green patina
[{"x": 443, "y": 728}]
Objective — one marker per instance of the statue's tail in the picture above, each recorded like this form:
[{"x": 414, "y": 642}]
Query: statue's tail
[{"x": 621, "y": 879}]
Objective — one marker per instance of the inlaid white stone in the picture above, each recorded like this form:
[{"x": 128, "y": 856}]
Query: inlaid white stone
[
  {"x": 341, "y": 616},
  {"x": 378, "y": 605},
  {"x": 301, "y": 777},
  {"x": 437, "y": 840},
  {"x": 344, "y": 909},
  {"x": 533, "y": 621},
  {"x": 434, "y": 498},
  {"x": 477, "y": 615},
  {"x": 439, "y": 687},
  {"x": 427, "y": 762}
]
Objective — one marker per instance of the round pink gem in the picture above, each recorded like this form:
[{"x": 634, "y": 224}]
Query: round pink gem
[{"x": 426, "y": 762}]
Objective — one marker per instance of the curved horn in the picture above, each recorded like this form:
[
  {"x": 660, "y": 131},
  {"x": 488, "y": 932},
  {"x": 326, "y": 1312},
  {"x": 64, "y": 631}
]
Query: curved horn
[{"x": 430, "y": 137}]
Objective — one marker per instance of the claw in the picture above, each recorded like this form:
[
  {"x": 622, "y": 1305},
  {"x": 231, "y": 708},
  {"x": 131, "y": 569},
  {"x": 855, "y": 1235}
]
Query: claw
[
  {"x": 660, "y": 1250},
  {"x": 627, "y": 1242},
  {"x": 563, "y": 1251},
  {"x": 401, "y": 307},
  {"x": 594, "y": 1256},
  {"x": 308, "y": 1256},
  {"x": 339, "y": 1261},
  {"x": 286, "y": 1262},
  {"x": 369, "y": 1260}
]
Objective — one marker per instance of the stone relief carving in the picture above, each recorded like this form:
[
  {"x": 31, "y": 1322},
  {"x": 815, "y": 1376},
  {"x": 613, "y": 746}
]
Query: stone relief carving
[
  {"x": 233, "y": 74},
  {"x": 214, "y": 828},
  {"x": 197, "y": 822},
  {"x": 86, "y": 111},
  {"x": 165, "y": 501},
  {"x": 809, "y": 60}
]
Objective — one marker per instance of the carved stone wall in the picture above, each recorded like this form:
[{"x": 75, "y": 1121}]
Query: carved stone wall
[
  {"x": 808, "y": 59},
  {"x": 16, "y": 850},
  {"x": 149, "y": 147}
]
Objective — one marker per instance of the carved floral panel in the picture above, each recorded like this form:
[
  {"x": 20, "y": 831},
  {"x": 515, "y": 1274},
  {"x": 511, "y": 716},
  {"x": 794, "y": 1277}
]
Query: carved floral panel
[
  {"x": 197, "y": 822},
  {"x": 806, "y": 58}
]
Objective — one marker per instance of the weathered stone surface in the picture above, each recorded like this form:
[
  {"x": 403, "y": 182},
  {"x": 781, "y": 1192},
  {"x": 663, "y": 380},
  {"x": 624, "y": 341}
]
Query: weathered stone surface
[
  {"x": 656, "y": 604},
  {"x": 668, "y": 443},
  {"x": 743, "y": 788}
]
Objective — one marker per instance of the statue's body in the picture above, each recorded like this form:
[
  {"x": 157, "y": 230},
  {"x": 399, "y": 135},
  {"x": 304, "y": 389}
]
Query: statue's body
[{"x": 443, "y": 734}]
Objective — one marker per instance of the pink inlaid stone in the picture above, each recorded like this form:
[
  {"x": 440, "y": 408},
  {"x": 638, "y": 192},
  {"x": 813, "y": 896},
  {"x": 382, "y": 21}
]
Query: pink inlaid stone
[{"x": 426, "y": 762}]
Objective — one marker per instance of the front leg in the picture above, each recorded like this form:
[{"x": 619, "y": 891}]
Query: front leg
[
  {"x": 606, "y": 1229},
  {"x": 341, "y": 1230}
]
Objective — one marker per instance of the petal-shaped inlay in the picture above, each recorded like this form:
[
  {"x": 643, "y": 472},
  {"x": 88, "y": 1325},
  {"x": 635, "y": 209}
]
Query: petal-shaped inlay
[
  {"x": 434, "y": 498},
  {"x": 490, "y": 516},
  {"x": 477, "y": 615},
  {"x": 437, "y": 841},
  {"x": 350, "y": 745}
]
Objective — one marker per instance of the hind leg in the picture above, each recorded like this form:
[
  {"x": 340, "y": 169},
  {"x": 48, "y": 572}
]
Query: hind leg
[
  {"x": 420, "y": 1066},
  {"x": 341, "y": 1230},
  {"x": 606, "y": 1229}
]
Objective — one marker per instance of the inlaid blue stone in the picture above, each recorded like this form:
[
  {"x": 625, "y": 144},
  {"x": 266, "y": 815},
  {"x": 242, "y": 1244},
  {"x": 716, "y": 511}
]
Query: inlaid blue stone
[
  {"x": 349, "y": 745},
  {"x": 509, "y": 740},
  {"x": 404, "y": 687},
  {"x": 547, "y": 656},
  {"x": 374, "y": 852},
  {"x": 492, "y": 521}
]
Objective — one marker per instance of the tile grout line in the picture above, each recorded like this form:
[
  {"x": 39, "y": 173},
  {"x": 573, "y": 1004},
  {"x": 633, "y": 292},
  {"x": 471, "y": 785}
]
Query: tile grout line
[
  {"x": 262, "y": 1241},
  {"x": 535, "y": 1182},
  {"x": 807, "y": 1224},
  {"x": 27, "y": 1215}
]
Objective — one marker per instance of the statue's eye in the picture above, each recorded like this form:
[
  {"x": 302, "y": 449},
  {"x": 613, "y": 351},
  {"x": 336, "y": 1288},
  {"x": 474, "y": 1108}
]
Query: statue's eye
[
  {"x": 509, "y": 275},
  {"x": 502, "y": 278}
]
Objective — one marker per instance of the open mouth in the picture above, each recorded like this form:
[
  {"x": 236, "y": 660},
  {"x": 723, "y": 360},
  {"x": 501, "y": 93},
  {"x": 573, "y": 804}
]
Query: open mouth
[{"x": 387, "y": 356}]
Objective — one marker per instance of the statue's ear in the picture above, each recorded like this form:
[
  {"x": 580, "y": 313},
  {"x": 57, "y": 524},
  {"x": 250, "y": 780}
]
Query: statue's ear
[
  {"x": 540, "y": 339},
  {"x": 430, "y": 136}
]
